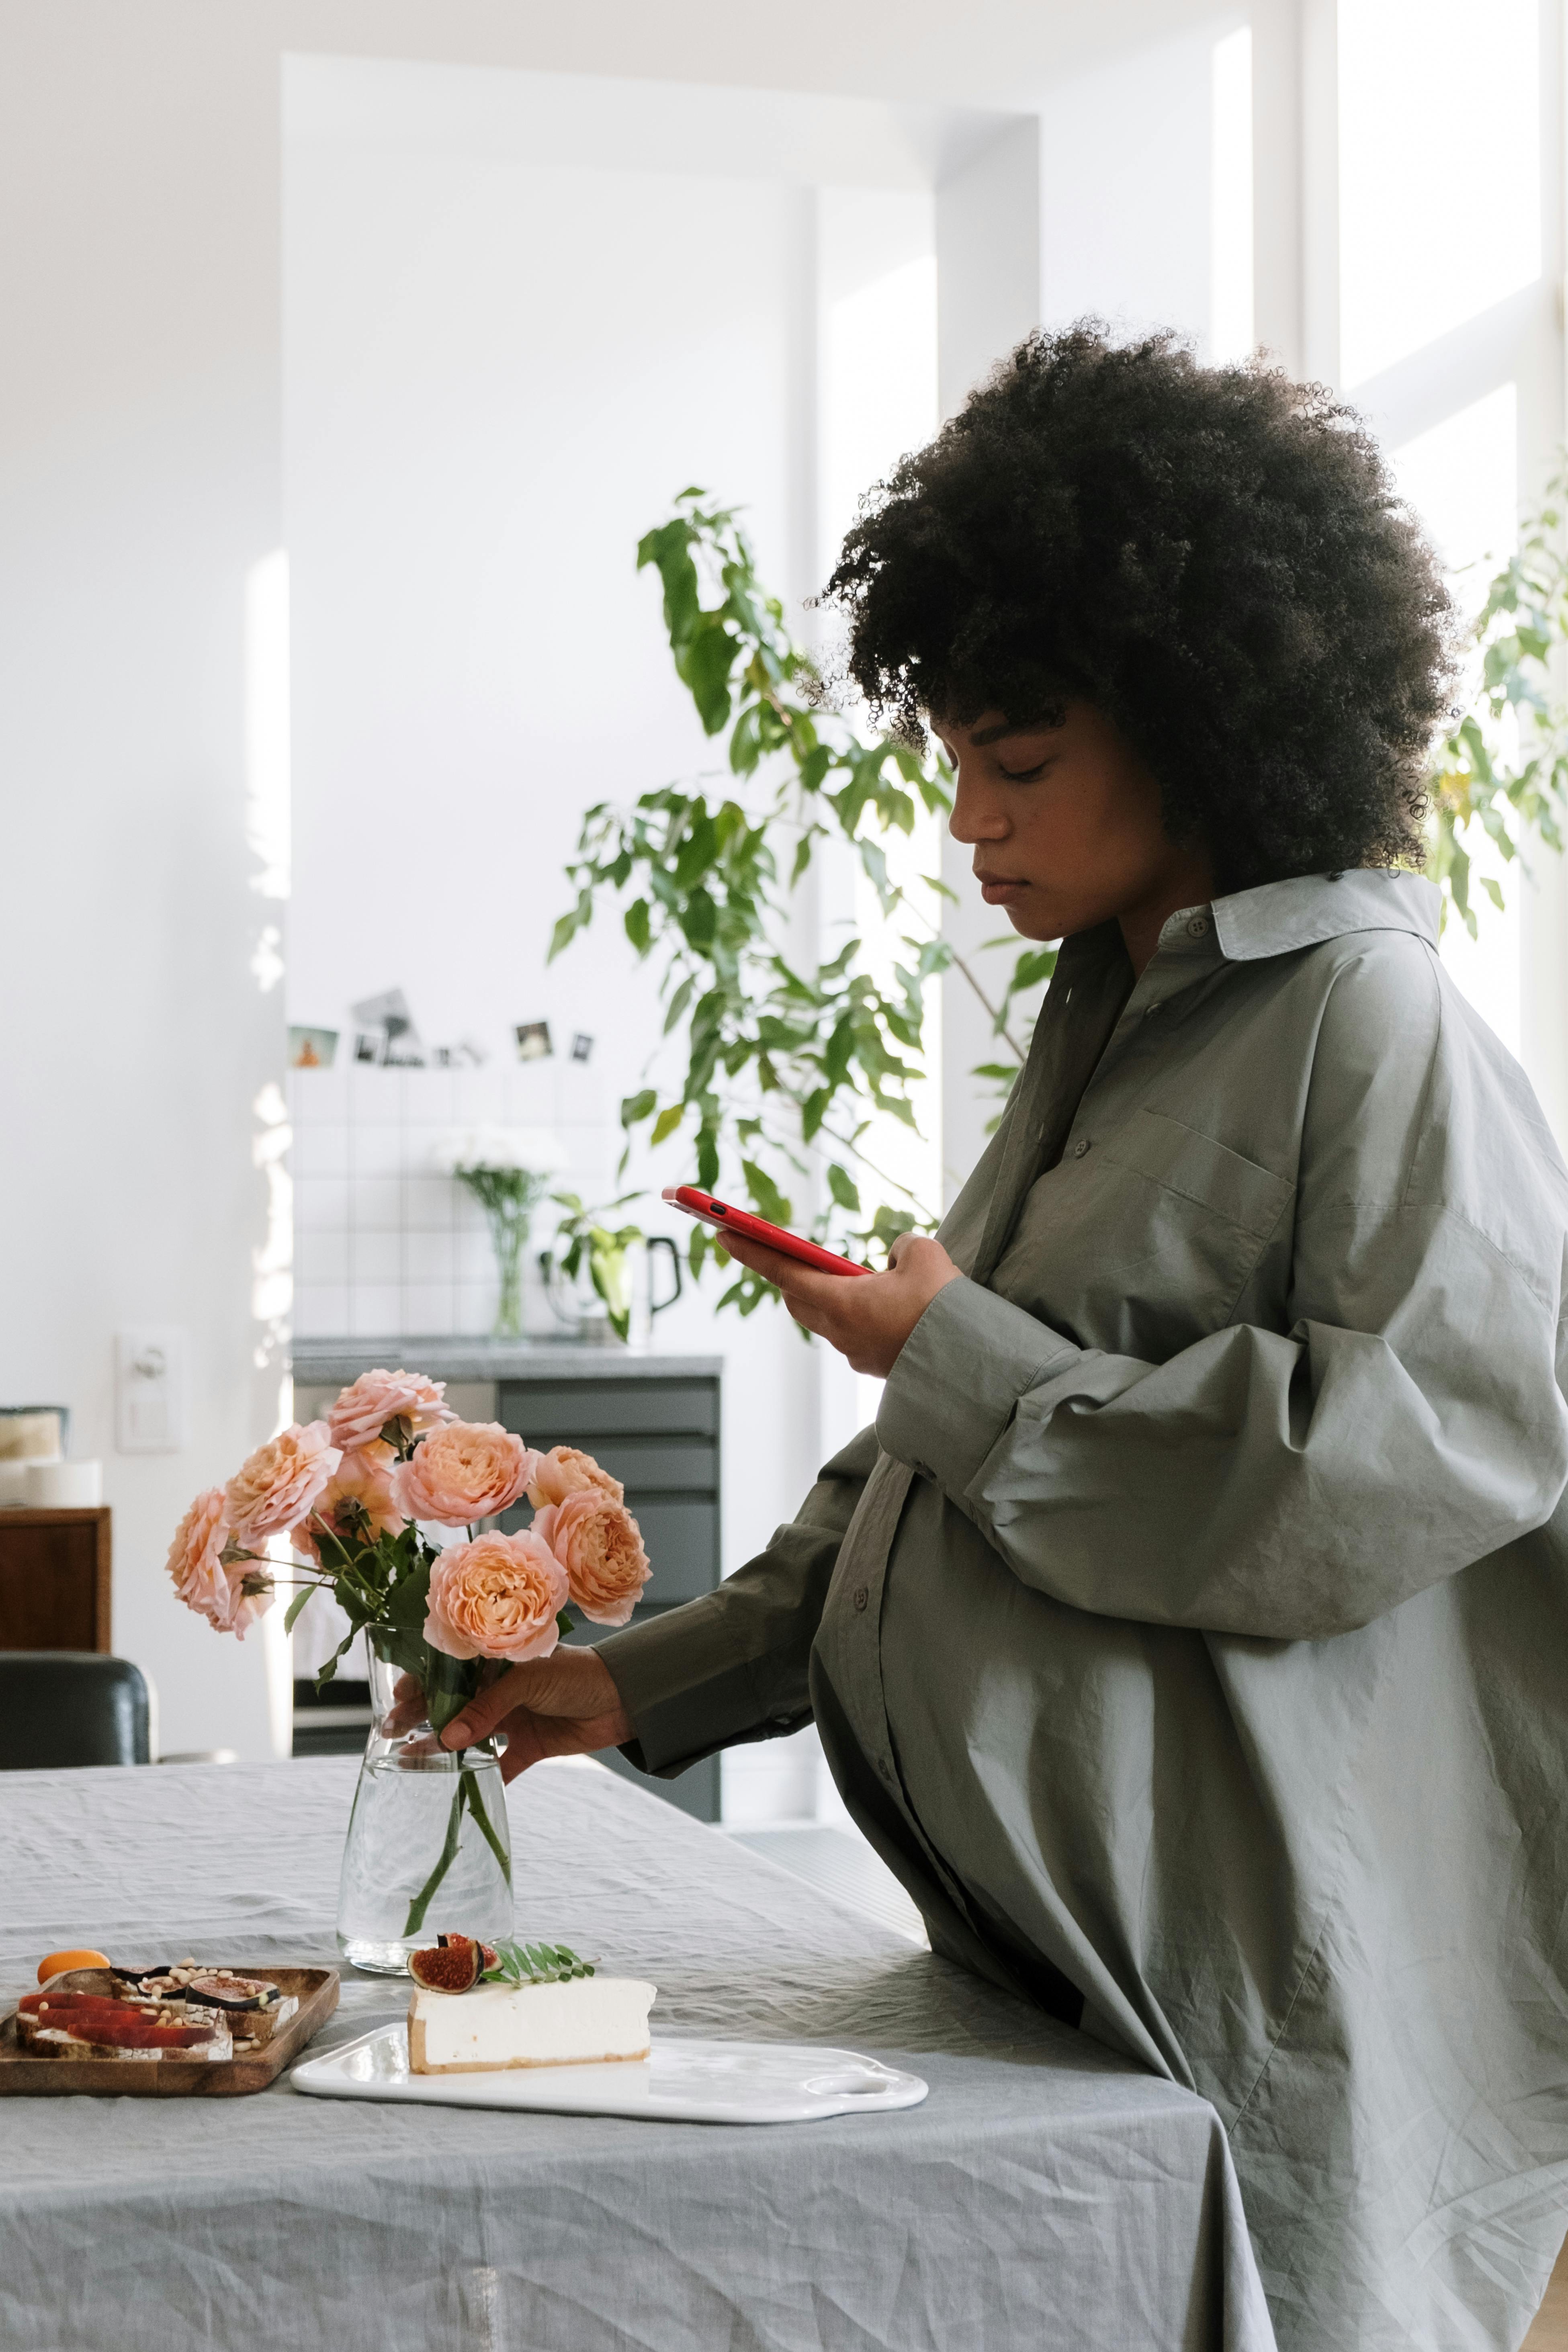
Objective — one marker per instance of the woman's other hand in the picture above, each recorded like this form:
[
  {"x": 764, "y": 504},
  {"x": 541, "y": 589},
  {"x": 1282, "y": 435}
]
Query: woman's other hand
[
  {"x": 564, "y": 1704},
  {"x": 866, "y": 1319}
]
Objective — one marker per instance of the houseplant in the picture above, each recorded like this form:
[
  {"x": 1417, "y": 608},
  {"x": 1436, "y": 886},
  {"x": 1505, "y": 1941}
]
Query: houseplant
[{"x": 786, "y": 1067}]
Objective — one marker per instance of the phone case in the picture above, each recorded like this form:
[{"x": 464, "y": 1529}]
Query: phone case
[{"x": 724, "y": 1217}]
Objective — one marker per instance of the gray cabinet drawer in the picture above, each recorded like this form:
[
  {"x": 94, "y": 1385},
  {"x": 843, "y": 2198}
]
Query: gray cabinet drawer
[
  {"x": 660, "y": 1465},
  {"x": 679, "y": 1536},
  {"x": 572, "y": 1413},
  {"x": 681, "y": 1540}
]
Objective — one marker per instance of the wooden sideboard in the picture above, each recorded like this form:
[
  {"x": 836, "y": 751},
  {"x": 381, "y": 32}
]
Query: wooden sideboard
[{"x": 54, "y": 1580}]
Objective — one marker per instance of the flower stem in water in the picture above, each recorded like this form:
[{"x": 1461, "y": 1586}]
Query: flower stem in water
[{"x": 448, "y": 1856}]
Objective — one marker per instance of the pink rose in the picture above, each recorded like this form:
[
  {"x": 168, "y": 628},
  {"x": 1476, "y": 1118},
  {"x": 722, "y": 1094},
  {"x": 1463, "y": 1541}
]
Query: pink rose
[
  {"x": 196, "y": 1561},
  {"x": 468, "y": 1471},
  {"x": 360, "y": 1505},
  {"x": 363, "y": 1409},
  {"x": 599, "y": 1545},
  {"x": 281, "y": 1482},
  {"x": 498, "y": 1597},
  {"x": 565, "y": 1471},
  {"x": 200, "y": 1580}
]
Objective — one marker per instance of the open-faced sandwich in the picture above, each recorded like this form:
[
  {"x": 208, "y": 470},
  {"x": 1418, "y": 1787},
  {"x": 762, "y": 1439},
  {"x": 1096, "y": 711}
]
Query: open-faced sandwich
[
  {"x": 98, "y": 2025},
  {"x": 253, "y": 2008}
]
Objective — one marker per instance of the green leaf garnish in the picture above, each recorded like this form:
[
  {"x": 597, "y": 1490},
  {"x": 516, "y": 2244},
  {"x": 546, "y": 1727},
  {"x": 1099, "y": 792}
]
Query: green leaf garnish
[{"x": 530, "y": 1964}]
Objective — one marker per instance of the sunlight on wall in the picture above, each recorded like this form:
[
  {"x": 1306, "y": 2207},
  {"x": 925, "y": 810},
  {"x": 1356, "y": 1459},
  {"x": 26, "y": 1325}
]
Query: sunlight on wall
[
  {"x": 267, "y": 834},
  {"x": 1230, "y": 197},
  {"x": 877, "y": 392},
  {"x": 1438, "y": 102}
]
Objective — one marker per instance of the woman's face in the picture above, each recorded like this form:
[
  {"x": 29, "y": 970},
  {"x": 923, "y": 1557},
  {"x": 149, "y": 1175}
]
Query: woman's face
[{"x": 1065, "y": 825}]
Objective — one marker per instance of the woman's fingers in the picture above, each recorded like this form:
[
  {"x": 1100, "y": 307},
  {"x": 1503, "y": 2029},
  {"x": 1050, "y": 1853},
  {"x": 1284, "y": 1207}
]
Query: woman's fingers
[
  {"x": 867, "y": 1318},
  {"x": 529, "y": 1737},
  {"x": 407, "y": 1707},
  {"x": 572, "y": 1689}
]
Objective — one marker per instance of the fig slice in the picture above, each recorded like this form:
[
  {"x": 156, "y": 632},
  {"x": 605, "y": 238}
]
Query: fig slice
[{"x": 452, "y": 1966}]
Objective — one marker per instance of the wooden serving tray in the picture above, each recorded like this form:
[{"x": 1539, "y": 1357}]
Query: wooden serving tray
[{"x": 171, "y": 2078}]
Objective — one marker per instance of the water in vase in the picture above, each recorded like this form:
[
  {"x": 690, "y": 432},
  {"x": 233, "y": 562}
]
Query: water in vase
[{"x": 428, "y": 1848}]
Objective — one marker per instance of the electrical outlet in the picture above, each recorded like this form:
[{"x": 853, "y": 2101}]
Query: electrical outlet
[{"x": 150, "y": 1387}]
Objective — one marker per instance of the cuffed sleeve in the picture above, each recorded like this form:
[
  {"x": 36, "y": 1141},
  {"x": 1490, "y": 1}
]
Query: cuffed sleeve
[
  {"x": 733, "y": 1666},
  {"x": 958, "y": 1379}
]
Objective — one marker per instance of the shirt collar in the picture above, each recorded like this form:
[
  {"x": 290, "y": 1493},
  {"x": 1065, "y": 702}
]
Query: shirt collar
[
  {"x": 1273, "y": 919},
  {"x": 1279, "y": 916}
]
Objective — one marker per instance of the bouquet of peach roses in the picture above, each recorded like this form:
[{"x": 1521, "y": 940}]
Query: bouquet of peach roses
[{"x": 355, "y": 1494}]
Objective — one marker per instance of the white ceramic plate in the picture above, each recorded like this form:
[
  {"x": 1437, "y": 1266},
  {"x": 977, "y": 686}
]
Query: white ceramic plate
[{"x": 682, "y": 2082}]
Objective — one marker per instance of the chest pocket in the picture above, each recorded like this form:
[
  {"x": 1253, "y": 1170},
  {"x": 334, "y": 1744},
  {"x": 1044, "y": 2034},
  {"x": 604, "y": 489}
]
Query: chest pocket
[{"x": 1143, "y": 1244}]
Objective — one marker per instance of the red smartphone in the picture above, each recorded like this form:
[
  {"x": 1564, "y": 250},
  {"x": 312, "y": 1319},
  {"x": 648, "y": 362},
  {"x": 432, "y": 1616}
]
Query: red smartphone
[{"x": 725, "y": 1218}]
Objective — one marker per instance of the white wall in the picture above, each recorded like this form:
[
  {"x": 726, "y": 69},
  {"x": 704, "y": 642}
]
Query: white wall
[{"x": 137, "y": 486}]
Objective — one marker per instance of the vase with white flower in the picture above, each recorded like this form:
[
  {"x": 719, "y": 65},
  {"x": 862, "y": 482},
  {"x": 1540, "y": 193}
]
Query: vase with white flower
[
  {"x": 382, "y": 1505},
  {"x": 508, "y": 1169}
]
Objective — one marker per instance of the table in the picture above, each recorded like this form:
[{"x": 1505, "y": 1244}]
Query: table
[{"x": 1046, "y": 2195}]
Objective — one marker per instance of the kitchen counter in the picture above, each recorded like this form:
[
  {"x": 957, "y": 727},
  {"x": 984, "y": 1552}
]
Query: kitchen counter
[{"x": 321, "y": 1362}]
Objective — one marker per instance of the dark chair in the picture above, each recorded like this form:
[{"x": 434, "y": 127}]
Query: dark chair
[{"x": 68, "y": 1707}]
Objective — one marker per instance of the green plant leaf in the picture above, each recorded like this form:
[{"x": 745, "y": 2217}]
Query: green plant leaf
[{"x": 842, "y": 1186}]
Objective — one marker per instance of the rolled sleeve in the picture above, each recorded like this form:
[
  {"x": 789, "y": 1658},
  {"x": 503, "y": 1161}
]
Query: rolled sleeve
[{"x": 958, "y": 1379}]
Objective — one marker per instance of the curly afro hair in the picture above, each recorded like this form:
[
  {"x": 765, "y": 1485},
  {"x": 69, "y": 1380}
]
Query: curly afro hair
[{"x": 1215, "y": 557}]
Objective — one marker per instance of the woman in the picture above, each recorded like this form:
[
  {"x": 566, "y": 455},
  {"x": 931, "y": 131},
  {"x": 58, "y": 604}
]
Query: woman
[{"x": 1188, "y": 1633}]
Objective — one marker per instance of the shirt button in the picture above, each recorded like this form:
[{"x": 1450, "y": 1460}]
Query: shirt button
[
  {"x": 1197, "y": 929},
  {"x": 885, "y": 1769},
  {"x": 861, "y": 1596},
  {"x": 1081, "y": 1147}
]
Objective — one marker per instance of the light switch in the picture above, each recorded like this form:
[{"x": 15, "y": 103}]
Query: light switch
[{"x": 150, "y": 1388}]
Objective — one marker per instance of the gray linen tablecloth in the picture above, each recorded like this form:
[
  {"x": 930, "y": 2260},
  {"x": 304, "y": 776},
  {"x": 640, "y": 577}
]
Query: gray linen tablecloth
[{"x": 1045, "y": 2195}]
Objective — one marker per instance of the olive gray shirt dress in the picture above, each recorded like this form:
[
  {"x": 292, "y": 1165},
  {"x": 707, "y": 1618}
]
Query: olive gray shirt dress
[{"x": 1190, "y": 1634}]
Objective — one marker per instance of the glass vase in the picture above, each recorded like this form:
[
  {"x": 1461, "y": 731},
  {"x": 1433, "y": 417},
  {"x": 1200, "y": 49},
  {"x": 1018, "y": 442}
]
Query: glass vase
[
  {"x": 508, "y": 1232},
  {"x": 427, "y": 1850}
]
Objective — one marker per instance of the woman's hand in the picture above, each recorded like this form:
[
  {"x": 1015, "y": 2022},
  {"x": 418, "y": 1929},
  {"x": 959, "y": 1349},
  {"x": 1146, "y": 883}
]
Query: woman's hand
[
  {"x": 564, "y": 1704},
  {"x": 866, "y": 1319}
]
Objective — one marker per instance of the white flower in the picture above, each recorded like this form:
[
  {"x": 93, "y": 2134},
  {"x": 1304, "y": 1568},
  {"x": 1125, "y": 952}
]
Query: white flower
[{"x": 532, "y": 1148}]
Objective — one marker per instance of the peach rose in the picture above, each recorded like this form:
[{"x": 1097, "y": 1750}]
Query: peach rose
[
  {"x": 468, "y": 1470},
  {"x": 359, "y": 1504},
  {"x": 247, "y": 1607},
  {"x": 498, "y": 1597},
  {"x": 565, "y": 1471},
  {"x": 195, "y": 1558},
  {"x": 200, "y": 1580},
  {"x": 363, "y": 1409},
  {"x": 599, "y": 1545},
  {"x": 282, "y": 1483}
]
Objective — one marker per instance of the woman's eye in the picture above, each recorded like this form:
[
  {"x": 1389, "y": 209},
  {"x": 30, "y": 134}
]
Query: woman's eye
[{"x": 1025, "y": 776}]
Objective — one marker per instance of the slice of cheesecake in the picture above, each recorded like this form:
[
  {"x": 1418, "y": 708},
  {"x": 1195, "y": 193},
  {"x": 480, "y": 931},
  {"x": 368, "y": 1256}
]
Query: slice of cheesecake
[{"x": 578, "y": 2023}]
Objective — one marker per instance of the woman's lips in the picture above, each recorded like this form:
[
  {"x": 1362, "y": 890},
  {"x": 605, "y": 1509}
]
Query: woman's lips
[{"x": 1000, "y": 889}]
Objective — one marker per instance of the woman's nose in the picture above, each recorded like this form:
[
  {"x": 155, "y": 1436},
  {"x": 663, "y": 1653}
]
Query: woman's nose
[{"x": 978, "y": 814}]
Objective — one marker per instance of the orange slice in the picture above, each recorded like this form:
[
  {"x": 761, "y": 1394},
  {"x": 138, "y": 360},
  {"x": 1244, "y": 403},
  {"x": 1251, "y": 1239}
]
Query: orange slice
[{"x": 57, "y": 1962}]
